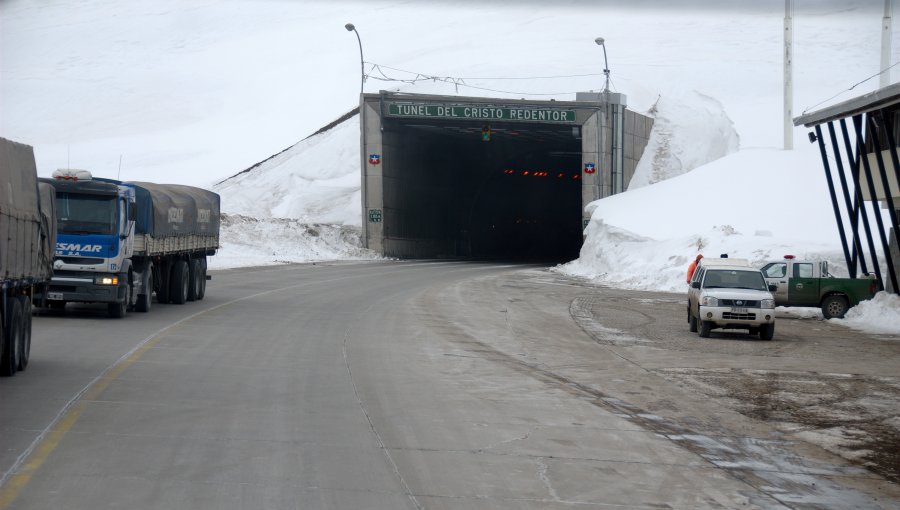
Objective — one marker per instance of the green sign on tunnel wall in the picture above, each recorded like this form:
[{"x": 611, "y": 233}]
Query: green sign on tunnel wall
[
  {"x": 375, "y": 215},
  {"x": 480, "y": 112}
]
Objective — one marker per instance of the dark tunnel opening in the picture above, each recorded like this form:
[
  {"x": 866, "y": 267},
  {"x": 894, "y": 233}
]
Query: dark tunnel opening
[{"x": 515, "y": 196}]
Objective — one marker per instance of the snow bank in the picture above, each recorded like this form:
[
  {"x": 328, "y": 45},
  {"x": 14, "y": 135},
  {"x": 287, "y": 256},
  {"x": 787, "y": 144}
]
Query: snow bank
[
  {"x": 679, "y": 124},
  {"x": 253, "y": 242},
  {"x": 314, "y": 181},
  {"x": 879, "y": 315}
]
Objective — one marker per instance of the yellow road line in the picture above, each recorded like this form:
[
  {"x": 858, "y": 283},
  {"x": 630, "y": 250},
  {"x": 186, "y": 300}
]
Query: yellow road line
[
  {"x": 20, "y": 474},
  {"x": 17, "y": 481}
]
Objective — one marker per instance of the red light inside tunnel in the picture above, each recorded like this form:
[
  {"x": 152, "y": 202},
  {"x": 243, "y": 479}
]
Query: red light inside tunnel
[
  {"x": 526, "y": 172},
  {"x": 576, "y": 176}
]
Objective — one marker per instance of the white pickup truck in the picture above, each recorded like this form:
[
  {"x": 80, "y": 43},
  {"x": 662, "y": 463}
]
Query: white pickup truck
[{"x": 730, "y": 294}]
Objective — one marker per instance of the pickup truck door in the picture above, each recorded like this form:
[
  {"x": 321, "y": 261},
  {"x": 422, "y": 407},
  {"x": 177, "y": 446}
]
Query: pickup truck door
[
  {"x": 775, "y": 273},
  {"x": 803, "y": 285}
]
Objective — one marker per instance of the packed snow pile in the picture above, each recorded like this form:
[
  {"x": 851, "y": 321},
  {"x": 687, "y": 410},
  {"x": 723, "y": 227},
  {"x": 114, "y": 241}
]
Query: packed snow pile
[
  {"x": 250, "y": 241},
  {"x": 688, "y": 132},
  {"x": 879, "y": 315},
  {"x": 645, "y": 238},
  {"x": 314, "y": 181}
]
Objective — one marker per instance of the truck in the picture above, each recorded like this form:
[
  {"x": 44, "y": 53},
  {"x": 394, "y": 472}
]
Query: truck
[
  {"x": 730, "y": 293},
  {"x": 120, "y": 243},
  {"x": 808, "y": 283},
  {"x": 27, "y": 238}
]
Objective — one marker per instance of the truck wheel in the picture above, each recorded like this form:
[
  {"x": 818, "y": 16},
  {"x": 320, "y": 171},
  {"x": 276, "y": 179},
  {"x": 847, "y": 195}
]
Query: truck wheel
[
  {"x": 163, "y": 277},
  {"x": 835, "y": 306},
  {"x": 9, "y": 360},
  {"x": 202, "y": 289},
  {"x": 178, "y": 285},
  {"x": 705, "y": 328},
  {"x": 145, "y": 300},
  {"x": 118, "y": 310},
  {"x": 693, "y": 321},
  {"x": 767, "y": 331},
  {"x": 194, "y": 279},
  {"x": 25, "y": 350}
]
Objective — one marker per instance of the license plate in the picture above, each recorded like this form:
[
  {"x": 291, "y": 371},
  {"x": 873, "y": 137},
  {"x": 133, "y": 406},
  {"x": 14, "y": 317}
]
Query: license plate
[
  {"x": 735, "y": 309},
  {"x": 56, "y": 296}
]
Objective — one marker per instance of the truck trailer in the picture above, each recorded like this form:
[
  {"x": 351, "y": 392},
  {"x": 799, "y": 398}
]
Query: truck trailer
[
  {"x": 27, "y": 238},
  {"x": 119, "y": 242}
]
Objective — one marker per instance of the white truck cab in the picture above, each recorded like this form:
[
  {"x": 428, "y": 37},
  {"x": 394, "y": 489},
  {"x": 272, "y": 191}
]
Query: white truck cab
[{"x": 730, "y": 294}]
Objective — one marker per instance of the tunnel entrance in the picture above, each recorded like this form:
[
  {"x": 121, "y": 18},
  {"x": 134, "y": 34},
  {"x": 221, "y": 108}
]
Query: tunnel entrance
[
  {"x": 484, "y": 190},
  {"x": 448, "y": 177}
]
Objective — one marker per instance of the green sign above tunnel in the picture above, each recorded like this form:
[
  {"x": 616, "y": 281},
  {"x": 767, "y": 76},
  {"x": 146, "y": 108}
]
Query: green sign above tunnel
[{"x": 480, "y": 112}]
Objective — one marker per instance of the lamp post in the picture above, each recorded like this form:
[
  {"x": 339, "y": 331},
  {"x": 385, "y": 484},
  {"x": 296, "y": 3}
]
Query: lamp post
[
  {"x": 362, "y": 69},
  {"x": 601, "y": 42}
]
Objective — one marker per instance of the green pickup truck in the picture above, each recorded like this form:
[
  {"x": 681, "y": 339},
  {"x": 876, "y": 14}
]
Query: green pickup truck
[{"x": 807, "y": 283}]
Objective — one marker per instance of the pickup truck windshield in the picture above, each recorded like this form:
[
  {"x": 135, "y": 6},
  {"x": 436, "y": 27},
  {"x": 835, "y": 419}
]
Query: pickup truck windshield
[
  {"x": 734, "y": 279},
  {"x": 85, "y": 214}
]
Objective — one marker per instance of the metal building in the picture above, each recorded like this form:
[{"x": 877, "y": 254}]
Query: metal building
[
  {"x": 450, "y": 176},
  {"x": 858, "y": 141}
]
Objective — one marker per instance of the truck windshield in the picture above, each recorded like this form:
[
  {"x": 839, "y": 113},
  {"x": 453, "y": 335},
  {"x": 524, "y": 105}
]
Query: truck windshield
[
  {"x": 85, "y": 214},
  {"x": 734, "y": 279}
]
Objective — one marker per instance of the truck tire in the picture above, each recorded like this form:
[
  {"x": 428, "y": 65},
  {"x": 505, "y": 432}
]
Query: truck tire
[
  {"x": 119, "y": 310},
  {"x": 145, "y": 300},
  {"x": 202, "y": 291},
  {"x": 163, "y": 274},
  {"x": 835, "y": 306},
  {"x": 767, "y": 331},
  {"x": 180, "y": 282},
  {"x": 194, "y": 279},
  {"x": 705, "y": 329},
  {"x": 693, "y": 321},
  {"x": 9, "y": 360},
  {"x": 25, "y": 350}
]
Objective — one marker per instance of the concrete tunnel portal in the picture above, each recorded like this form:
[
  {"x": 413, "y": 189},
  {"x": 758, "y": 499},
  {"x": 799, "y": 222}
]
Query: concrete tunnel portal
[{"x": 478, "y": 178}]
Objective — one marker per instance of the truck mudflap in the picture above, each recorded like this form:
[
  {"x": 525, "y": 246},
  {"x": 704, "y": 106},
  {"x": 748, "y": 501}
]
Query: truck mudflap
[{"x": 74, "y": 289}]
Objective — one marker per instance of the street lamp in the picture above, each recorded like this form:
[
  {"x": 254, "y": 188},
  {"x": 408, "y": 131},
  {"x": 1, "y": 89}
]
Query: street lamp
[
  {"x": 600, "y": 42},
  {"x": 362, "y": 71}
]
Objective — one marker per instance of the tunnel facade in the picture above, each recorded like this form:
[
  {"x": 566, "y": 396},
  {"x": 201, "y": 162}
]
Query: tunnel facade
[{"x": 449, "y": 177}]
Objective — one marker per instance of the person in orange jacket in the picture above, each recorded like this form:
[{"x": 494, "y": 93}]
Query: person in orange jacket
[{"x": 693, "y": 267}]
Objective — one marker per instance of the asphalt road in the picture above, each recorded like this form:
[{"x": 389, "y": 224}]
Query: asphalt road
[{"x": 436, "y": 385}]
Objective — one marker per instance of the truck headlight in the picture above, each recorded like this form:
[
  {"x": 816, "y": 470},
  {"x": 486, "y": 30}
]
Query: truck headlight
[
  {"x": 709, "y": 301},
  {"x": 767, "y": 303},
  {"x": 106, "y": 280}
]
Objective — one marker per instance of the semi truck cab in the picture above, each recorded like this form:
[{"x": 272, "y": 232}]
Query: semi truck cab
[{"x": 95, "y": 242}]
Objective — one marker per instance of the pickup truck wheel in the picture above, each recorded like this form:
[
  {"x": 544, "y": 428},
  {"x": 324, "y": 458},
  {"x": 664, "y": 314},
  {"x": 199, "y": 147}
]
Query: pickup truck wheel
[
  {"x": 693, "y": 321},
  {"x": 767, "y": 331},
  {"x": 835, "y": 307},
  {"x": 145, "y": 300},
  {"x": 178, "y": 286},
  {"x": 12, "y": 342},
  {"x": 25, "y": 350},
  {"x": 705, "y": 329}
]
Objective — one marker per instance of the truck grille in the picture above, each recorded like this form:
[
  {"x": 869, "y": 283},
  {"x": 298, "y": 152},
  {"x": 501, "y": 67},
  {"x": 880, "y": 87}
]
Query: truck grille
[
  {"x": 744, "y": 303},
  {"x": 84, "y": 261},
  {"x": 739, "y": 316}
]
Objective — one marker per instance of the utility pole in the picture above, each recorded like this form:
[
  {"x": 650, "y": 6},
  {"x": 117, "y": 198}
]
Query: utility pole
[
  {"x": 788, "y": 70},
  {"x": 886, "y": 26}
]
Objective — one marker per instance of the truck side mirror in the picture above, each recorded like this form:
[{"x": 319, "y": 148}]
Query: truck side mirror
[
  {"x": 773, "y": 287},
  {"x": 695, "y": 284},
  {"x": 132, "y": 213}
]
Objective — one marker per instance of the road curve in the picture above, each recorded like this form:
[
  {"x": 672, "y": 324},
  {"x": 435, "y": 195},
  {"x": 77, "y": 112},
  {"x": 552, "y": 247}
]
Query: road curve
[{"x": 388, "y": 385}]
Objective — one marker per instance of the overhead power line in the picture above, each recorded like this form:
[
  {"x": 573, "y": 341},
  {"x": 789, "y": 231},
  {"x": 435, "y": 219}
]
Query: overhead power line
[
  {"x": 879, "y": 73},
  {"x": 378, "y": 72}
]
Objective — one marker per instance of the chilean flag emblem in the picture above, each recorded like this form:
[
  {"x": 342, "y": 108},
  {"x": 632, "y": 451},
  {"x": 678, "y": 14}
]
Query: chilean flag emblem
[
  {"x": 589, "y": 168},
  {"x": 374, "y": 159}
]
